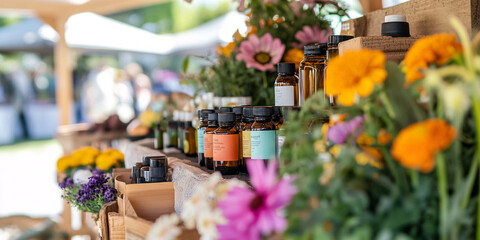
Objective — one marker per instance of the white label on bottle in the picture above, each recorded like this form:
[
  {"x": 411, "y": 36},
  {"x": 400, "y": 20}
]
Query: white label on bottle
[{"x": 284, "y": 96}]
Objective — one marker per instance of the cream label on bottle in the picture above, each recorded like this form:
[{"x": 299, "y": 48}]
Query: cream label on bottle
[
  {"x": 284, "y": 96},
  {"x": 263, "y": 144},
  {"x": 246, "y": 146},
  {"x": 200, "y": 139}
]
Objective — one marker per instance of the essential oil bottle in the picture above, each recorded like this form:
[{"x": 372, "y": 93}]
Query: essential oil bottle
[
  {"x": 189, "y": 148},
  {"x": 312, "y": 71},
  {"x": 158, "y": 140},
  {"x": 263, "y": 134},
  {"x": 286, "y": 85},
  {"x": 333, "y": 52},
  {"x": 203, "y": 120},
  {"x": 172, "y": 131},
  {"x": 245, "y": 145},
  {"x": 277, "y": 117},
  {"x": 208, "y": 139},
  {"x": 181, "y": 133},
  {"x": 226, "y": 144}
]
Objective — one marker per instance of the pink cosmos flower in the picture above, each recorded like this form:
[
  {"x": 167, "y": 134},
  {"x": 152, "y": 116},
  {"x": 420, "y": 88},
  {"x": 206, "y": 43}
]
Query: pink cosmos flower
[
  {"x": 340, "y": 132},
  {"x": 310, "y": 35},
  {"x": 253, "y": 213},
  {"x": 261, "y": 53}
]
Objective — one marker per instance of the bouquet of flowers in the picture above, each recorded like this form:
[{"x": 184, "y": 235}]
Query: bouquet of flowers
[
  {"x": 277, "y": 31},
  {"x": 399, "y": 156},
  {"x": 89, "y": 193},
  {"x": 90, "y": 157}
]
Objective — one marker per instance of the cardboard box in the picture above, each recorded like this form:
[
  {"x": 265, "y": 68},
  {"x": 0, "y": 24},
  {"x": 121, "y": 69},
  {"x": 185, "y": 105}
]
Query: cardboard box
[
  {"x": 426, "y": 17},
  {"x": 394, "y": 48}
]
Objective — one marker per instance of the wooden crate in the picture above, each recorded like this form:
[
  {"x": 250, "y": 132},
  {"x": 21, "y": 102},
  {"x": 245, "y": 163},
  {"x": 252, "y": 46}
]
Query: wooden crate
[{"x": 426, "y": 17}]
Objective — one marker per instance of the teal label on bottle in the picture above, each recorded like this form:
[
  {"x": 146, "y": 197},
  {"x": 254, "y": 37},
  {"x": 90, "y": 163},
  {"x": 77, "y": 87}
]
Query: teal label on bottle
[
  {"x": 263, "y": 144},
  {"x": 200, "y": 146}
]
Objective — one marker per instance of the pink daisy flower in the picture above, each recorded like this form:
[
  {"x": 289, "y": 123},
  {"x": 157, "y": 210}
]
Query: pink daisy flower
[
  {"x": 253, "y": 213},
  {"x": 261, "y": 53},
  {"x": 310, "y": 35}
]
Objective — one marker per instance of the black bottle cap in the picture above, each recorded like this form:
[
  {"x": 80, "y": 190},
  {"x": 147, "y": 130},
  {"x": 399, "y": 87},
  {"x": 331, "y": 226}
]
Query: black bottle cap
[
  {"x": 238, "y": 110},
  {"x": 226, "y": 117},
  {"x": 225, "y": 109},
  {"x": 314, "y": 50},
  {"x": 336, "y": 39},
  {"x": 172, "y": 124},
  {"x": 146, "y": 160},
  {"x": 203, "y": 114},
  {"x": 187, "y": 124},
  {"x": 277, "y": 112},
  {"x": 160, "y": 161},
  {"x": 248, "y": 112},
  {"x": 213, "y": 117},
  {"x": 262, "y": 111},
  {"x": 395, "y": 26},
  {"x": 286, "y": 68},
  {"x": 287, "y": 112}
]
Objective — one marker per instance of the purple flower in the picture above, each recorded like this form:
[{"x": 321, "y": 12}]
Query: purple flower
[
  {"x": 339, "y": 132},
  {"x": 96, "y": 187},
  {"x": 256, "y": 212},
  {"x": 67, "y": 182}
]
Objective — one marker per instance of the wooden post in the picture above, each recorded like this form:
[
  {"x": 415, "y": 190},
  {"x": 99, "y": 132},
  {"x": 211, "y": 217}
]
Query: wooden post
[
  {"x": 63, "y": 72},
  {"x": 371, "y": 5}
]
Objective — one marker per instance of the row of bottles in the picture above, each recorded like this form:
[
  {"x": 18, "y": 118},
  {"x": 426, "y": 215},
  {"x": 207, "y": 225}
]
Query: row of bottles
[{"x": 291, "y": 90}]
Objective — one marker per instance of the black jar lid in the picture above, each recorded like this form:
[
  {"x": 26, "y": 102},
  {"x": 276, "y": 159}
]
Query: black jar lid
[
  {"x": 248, "y": 112},
  {"x": 286, "y": 68},
  {"x": 314, "y": 50},
  {"x": 160, "y": 161},
  {"x": 213, "y": 117},
  {"x": 238, "y": 110},
  {"x": 395, "y": 26},
  {"x": 277, "y": 112},
  {"x": 336, "y": 39},
  {"x": 262, "y": 111},
  {"x": 146, "y": 160},
  {"x": 226, "y": 117},
  {"x": 225, "y": 109},
  {"x": 203, "y": 114}
]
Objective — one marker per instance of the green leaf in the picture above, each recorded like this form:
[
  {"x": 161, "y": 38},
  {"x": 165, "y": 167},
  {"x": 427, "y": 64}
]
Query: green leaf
[{"x": 185, "y": 64}]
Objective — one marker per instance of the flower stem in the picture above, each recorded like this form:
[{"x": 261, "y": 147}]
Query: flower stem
[
  {"x": 414, "y": 177},
  {"x": 387, "y": 104},
  {"x": 443, "y": 193},
  {"x": 476, "y": 110},
  {"x": 399, "y": 178}
]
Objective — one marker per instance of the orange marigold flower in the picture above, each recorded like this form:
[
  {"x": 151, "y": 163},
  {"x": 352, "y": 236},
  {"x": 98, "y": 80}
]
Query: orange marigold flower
[
  {"x": 294, "y": 55},
  {"x": 252, "y": 30},
  {"x": 227, "y": 50},
  {"x": 355, "y": 73},
  {"x": 417, "y": 144},
  {"x": 436, "y": 49},
  {"x": 384, "y": 137}
]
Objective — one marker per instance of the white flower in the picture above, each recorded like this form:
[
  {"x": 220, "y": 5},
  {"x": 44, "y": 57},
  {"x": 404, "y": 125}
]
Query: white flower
[
  {"x": 207, "y": 224},
  {"x": 191, "y": 209},
  {"x": 433, "y": 80},
  {"x": 165, "y": 228},
  {"x": 81, "y": 176},
  {"x": 456, "y": 100}
]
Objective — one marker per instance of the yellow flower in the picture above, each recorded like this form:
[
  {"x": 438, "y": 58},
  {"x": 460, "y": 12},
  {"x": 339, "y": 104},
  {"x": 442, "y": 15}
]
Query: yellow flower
[
  {"x": 354, "y": 74},
  {"x": 63, "y": 164},
  {"x": 328, "y": 173},
  {"x": 417, "y": 144},
  {"x": 335, "y": 150},
  {"x": 294, "y": 55},
  {"x": 365, "y": 157},
  {"x": 227, "y": 50},
  {"x": 320, "y": 146},
  {"x": 436, "y": 49}
]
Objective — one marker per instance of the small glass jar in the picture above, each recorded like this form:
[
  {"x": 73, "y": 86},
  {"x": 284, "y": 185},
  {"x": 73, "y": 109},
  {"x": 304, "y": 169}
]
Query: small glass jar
[
  {"x": 226, "y": 145},
  {"x": 312, "y": 71},
  {"x": 208, "y": 139},
  {"x": 286, "y": 85},
  {"x": 203, "y": 120},
  {"x": 263, "y": 134}
]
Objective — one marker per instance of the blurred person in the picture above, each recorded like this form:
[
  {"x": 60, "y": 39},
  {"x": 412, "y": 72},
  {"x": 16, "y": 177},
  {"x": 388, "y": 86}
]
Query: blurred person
[{"x": 23, "y": 93}]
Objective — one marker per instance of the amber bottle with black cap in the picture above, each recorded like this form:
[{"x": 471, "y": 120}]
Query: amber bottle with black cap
[
  {"x": 286, "y": 85},
  {"x": 245, "y": 146},
  {"x": 263, "y": 134},
  {"x": 208, "y": 139},
  {"x": 311, "y": 71},
  {"x": 333, "y": 52},
  {"x": 226, "y": 144},
  {"x": 203, "y": 119}
]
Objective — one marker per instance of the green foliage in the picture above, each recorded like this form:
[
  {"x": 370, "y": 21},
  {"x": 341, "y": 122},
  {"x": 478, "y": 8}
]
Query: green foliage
[{"x": 360, "y": 201}]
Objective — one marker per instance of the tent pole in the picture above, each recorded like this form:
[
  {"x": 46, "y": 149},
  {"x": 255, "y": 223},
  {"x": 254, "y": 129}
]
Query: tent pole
[{"x": 63, "y": 71}]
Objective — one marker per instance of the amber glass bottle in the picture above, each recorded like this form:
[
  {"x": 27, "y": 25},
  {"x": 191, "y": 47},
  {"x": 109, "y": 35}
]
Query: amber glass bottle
[
  {"x": 189, "y": 147},
  {"x": 263, "y": 135},
  {"x": 311, "y": 71},
  {"x": 203, "y": 120},
  {"x": 181, "y": 132},
  {"x": 225, "y": 145},
  {"x": 277, "y": 117},
  {"x": 332, "y": 52},
  {"x": 286, "y": 85},
  {"x": 248, "y": 120},
  {"x": 208, "y": 139}
]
